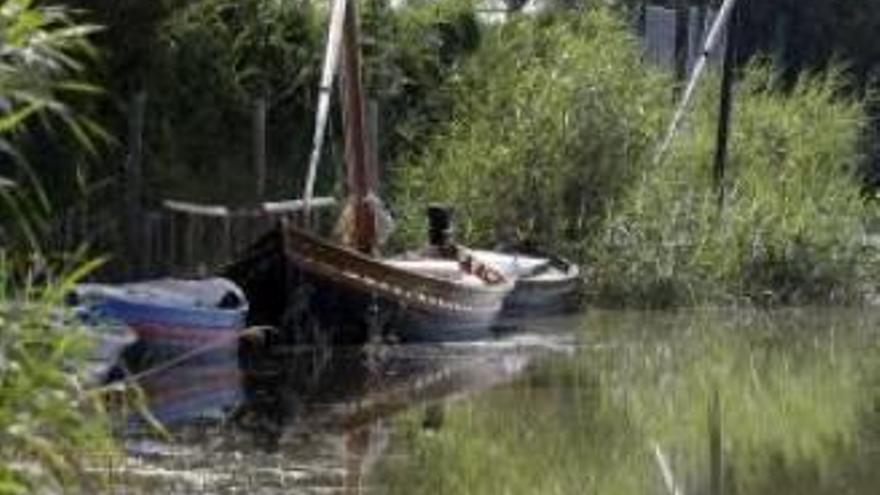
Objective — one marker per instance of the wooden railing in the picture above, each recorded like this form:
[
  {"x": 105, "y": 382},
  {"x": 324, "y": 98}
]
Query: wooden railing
[{"x": 177, "y": 239}]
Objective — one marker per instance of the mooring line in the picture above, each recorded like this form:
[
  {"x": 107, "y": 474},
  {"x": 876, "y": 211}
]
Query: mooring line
[{"x": 130, "y": 378}]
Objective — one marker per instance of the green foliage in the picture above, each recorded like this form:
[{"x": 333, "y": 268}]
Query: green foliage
[
  {"x": 206, "y": 63},
  {"x": 410, "y": 54},
  {"x": 551, "y": 140},
  {"x": 553, "y": 117},
  {"x": 51, "y": 428},
  {"x": 792, "y": 226},
  {"x": 213, "y": 59},
  {"x": 42, "y": 72},
  {"x": 49, "y": 425}
]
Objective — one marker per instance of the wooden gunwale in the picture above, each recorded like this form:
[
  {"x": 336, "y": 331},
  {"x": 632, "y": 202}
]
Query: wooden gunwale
[{"x": 363, "y": 273}]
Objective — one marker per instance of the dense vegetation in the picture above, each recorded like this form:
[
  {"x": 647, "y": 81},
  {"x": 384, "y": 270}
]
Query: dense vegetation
[
  {"x": 558, "y": 150},
  {"x": 554, "y": 117},
  {"x": 51, "y": 428},
  {"x": 558, "y": 105},
  {"x": 792, "y": 225},
  {"x": 204, "y": 64}
]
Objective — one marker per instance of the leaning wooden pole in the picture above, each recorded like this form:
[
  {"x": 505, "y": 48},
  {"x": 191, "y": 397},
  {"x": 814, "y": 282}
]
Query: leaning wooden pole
[
  {"x": 356, "y": 146},
  {"x": 712, "y": 40},
  {"x": 328, "y": 74}
]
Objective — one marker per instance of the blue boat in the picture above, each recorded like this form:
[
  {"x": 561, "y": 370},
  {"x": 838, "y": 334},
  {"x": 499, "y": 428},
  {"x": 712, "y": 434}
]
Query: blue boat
[{"x": 172, "y": 317}]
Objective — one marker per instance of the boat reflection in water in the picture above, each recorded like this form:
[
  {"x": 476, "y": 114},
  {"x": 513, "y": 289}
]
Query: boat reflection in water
[{"x": 306, "y": 417}]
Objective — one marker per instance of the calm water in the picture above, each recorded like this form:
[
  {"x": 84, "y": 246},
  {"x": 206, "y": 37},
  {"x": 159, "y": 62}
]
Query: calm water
[{"x": 608, "y": 403}]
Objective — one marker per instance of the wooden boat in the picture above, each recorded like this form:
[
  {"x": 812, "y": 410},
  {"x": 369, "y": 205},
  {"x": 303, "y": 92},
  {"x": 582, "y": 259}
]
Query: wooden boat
[
  {"x": 172, "y": 316},
  {"x": 414, "y": 299},
  {"x": 354, "y": 290},
  {"x": 544, "y": 284}
]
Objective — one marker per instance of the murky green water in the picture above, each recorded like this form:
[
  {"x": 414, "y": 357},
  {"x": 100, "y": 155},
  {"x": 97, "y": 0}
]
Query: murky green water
[{"x": 610, "y": 403}]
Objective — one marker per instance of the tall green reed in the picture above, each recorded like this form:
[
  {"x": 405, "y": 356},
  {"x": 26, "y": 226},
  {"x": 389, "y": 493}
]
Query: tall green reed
[
  {"x": 553, "y": 116},
  {"x": 791, "y": 228},
  {"x": 553, "y": 131}
]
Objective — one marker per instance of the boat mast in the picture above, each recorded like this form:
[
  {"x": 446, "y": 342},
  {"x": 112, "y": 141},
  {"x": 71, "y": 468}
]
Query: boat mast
[{"x": 356, "y": 146}]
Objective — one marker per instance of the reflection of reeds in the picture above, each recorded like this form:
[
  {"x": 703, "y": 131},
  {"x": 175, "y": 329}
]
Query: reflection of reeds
[{"x": 785, "y": 405}]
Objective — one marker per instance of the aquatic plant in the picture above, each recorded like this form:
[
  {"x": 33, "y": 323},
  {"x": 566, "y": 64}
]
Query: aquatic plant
[
  {"x": 791, "y": 228},
  {"x": 554, "y": 116}
]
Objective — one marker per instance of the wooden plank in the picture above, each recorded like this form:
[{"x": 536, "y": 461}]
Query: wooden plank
[
  {"x": 296, "y": 205},
  {"x": 196, "y": 209},
  {"x": 134, "y": 184},
  {"x": 220, "y": 211},
  {"x": 260, "y": 146}
]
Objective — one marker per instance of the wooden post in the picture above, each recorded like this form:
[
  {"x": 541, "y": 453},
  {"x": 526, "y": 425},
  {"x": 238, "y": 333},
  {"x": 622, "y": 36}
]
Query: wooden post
[
  {"x": 134, "y": 185},
  {"x": 682, "y": 45},
  {"x": 190, "y": 243},
  {"x": 227, "y": 241},
  {"x": 259, "y": 125},
  {"x": 780, "y": 41},
  {"x": 716, "y": 453},
  {"x": 642, "y": 22},
  {"x": 725, "y": 105},
  {"x": 373, "y": 139},
  {"x": 702, "y": 9},
  {"x": 711, "y": 42},
  {"x": 148, "y": 255},
  {"x": 171, "y": 245}
]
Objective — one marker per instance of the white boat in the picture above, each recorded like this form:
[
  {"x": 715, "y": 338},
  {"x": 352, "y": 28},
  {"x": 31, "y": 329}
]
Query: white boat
[{"x": 543, "y": 284}]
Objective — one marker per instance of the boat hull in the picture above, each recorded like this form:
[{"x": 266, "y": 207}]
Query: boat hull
[
  {"x": 351, "y": 298},
  {"x": 389, "y": 299},
  {"x": 168, "y": 324},
  {"x": 544, "y": 285}
]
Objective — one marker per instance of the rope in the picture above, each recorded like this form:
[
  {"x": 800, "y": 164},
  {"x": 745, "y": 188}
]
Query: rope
[{"x": 164, "y": 366}]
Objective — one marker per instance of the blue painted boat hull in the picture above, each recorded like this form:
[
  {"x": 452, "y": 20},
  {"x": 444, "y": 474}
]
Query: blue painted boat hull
[{"x": 168, "y": 323}]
